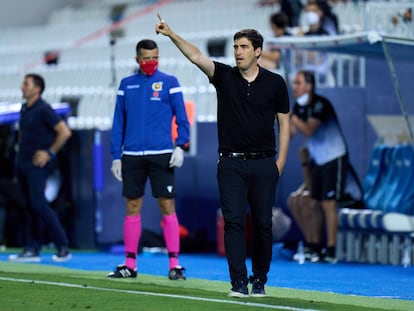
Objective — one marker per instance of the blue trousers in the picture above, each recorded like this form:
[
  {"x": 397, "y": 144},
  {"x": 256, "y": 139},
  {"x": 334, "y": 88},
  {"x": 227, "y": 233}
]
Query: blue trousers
[
  {"x": 240, "y": 182},
  {"x": 32, "y": 181}
]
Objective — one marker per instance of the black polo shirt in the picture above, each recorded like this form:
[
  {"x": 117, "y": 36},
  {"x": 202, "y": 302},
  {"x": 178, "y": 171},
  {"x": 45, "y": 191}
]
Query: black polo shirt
[
  {"x": 246, "y": 111},
  {"x": 36, "y": 127}
]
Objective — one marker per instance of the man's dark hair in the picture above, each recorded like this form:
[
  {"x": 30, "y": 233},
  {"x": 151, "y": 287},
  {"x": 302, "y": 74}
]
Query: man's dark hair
[
  {"x": 252, "y": 35},
  {"x": 309, "y": 78},
  {"x": 37, "y": 81},
  {"x": 146, "y": 44},
  {"x": 280, "y": 20}
]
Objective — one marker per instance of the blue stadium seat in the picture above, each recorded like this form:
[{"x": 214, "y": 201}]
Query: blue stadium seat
[
  {"x": 404, "y": 197},
  {"x": 367, "y": 219},
  {"x": 395, "y": 179},
  {"x": 376, "y": 176}
]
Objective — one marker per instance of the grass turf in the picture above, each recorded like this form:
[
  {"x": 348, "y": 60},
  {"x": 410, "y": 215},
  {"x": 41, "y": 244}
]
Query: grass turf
[{"x": 41, "y": 287}]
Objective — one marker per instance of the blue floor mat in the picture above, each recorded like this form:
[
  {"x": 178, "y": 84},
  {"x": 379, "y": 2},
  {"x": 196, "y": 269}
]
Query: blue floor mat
[{"x": 383, "y": 281}]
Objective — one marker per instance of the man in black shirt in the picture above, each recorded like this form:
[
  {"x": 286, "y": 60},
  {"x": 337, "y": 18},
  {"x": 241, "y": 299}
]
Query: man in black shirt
[{"x": 250, "y": 98}]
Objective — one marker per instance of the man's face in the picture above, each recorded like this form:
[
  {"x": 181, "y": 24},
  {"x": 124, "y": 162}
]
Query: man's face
[
  {"x": 146, "y": 55},
  {"x": 148, "y": 61},
  {"x": 244, "y": 53},
  {"x": 29, "y": 89},
  {"x": 300, "y": 86}
]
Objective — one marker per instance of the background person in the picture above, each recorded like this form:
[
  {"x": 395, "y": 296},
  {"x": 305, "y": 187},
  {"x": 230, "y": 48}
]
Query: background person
[
  {"x": 142, "y": 148},
  {"x": 293, "y": 10},
  {"x": 315, "y": 117},
  {"x": 320, "y": 20},
  {"x": 273, "y": 58},
  {"x": 317, "y": 24},
  {"x": 41, "y": 135},
  {"x": 250, "y": 100},
  {"x": 307, "y": 212},
  {"x": 329, "y": 19}
]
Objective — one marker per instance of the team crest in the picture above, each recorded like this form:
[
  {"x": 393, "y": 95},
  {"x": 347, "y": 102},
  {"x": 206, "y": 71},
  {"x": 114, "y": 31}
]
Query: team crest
[{"x": 157, "y": 86}]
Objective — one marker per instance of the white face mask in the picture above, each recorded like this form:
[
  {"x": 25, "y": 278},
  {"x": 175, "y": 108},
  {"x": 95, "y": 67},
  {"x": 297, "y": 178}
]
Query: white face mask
[
  {"x": 303, "y": 100},
  {"x": 312, "y": 18}
]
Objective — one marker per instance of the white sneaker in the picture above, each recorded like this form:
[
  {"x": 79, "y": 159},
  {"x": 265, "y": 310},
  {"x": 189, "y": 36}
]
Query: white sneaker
[
  {"x": 62, "y": 256},
  {"x": 25, "y": 256}
]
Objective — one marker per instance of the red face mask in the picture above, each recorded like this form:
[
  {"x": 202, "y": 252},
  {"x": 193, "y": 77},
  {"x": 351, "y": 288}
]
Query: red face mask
[{"x": 149, "y": 66}]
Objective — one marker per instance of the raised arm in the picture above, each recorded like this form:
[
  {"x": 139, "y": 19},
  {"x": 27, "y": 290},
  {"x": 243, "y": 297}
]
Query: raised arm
[{"x": 189, "y": 50}]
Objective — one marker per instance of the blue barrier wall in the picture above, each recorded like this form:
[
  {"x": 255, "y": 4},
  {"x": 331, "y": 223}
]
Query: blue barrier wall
[{"x": 197, "y": 196}]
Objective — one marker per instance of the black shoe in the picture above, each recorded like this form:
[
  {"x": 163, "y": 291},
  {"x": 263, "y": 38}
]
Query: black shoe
[
  {"x": 123, "y": 271},
  {"x": 312, "y": 256},
  {"x": 25, "y": 256},
  {"x": 330, "y": 259},
  {"x": 239, "y": 290},
  {"x": 62, "y": 255},
  {"x": 257, "y": 287},
  {"x": 329, "y": 255},
  {"x": 177, "y": 274}
]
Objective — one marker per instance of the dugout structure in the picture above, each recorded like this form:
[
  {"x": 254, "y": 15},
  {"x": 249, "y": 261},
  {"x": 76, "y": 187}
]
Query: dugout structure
[{"x": 383, "y": 231}]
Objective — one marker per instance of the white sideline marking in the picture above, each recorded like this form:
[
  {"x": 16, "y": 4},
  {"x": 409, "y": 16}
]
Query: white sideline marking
[{"x": 252, "y": 304}]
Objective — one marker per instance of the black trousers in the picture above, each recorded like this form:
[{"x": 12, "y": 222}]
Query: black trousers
[{"x": 253, "y": 181}]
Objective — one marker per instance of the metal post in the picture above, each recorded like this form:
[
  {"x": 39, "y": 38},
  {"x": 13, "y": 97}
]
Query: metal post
[{"x": 397, "y": 88}]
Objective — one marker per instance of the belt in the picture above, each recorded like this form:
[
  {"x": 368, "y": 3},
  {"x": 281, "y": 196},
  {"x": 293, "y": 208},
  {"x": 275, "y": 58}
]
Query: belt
[{"x": 247, "y": 155}]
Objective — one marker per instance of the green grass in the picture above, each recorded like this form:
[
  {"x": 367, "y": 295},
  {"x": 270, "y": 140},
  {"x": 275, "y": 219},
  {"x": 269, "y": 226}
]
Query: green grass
[{"x": 41, "y": 287}]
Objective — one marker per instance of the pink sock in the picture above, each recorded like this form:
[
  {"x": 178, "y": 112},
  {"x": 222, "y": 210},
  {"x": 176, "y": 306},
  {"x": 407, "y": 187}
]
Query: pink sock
[
  {"x": 132, "y": 233},
  {"x": 172, "y": 238}
]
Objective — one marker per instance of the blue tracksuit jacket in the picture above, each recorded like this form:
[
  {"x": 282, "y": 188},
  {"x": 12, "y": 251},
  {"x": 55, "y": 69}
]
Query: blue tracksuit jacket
[{"x": 144, "y": 109}]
